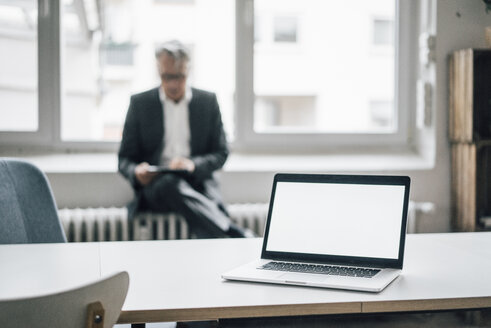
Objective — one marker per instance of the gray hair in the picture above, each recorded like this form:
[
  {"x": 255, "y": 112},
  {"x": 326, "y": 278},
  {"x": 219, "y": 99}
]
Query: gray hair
[{"x": 173, "y": 48}]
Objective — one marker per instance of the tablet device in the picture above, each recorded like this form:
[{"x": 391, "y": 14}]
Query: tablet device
[{"x": 165, "y": 169}]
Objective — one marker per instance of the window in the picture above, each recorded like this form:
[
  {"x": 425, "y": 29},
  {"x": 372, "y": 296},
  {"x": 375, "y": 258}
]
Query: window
[
  {"x": 107, "y": 62},
  {"x": 319, "y": 82},
  {"x": 380, "y": 113},
  {"x": 282, "y": 111},
  {"x": 383, "y": 32},
  {"x": 18, "y": 66},
  {"x": 293, "y": 74},
  {"x": 285, "y": 29}
]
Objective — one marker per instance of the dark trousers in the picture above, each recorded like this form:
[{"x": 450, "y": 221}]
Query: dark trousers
[{"x": 198, "y": 204}]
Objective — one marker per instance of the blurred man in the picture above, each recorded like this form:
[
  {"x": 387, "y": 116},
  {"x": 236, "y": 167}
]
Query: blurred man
[{"x": 178, "y": 127}]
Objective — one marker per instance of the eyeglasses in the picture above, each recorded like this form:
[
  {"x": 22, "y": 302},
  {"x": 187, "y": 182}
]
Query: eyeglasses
[{"x": 173, "y": 77}]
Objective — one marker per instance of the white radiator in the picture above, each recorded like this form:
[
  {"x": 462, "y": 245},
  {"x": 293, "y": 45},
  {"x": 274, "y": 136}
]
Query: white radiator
[{"x": 111, "y": 224}]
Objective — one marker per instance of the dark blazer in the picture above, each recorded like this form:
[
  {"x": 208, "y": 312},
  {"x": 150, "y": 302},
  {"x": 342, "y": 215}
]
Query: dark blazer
[{"x": 144, "y": 132}]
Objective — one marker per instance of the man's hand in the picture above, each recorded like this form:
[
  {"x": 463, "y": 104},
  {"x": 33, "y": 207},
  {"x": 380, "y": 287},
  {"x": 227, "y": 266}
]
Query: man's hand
[
  {"x": 142, "y": 174},
  {"x": 181, "y": 163}
]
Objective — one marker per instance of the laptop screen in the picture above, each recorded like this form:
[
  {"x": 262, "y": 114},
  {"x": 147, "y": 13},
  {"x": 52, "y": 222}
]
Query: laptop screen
[{"x": 337, "y": 218}]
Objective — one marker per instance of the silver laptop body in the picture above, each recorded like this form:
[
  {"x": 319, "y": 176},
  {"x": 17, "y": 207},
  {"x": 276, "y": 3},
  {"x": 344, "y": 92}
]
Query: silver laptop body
[{"x": 332, "y": 231}]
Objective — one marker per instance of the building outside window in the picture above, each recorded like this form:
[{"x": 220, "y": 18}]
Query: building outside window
[
  {"x": 324, "y": 81},
  {"x": 285, "y": 29},
  {"x": 383, "y": 32}
]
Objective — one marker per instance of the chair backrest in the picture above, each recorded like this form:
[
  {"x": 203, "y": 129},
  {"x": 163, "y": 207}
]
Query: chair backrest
[
  {"x": 28, "y": 212},
  {"x": 97, "y": 305}
]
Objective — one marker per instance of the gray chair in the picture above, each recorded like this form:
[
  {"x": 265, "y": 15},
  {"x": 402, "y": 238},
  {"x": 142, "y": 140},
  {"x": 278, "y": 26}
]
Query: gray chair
[
  {"x": 97, "y": 305},
  {"x": 28, "y": 211}
]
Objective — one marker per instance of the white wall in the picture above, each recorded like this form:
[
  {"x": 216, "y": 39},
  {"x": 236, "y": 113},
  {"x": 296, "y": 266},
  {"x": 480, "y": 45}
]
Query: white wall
[{"x": 454, "y": 31}]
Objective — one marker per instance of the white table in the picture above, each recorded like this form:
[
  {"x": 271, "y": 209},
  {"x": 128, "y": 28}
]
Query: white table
[
  {"x": 36, "y": 269},
  {"x": 180, "y": 280}
]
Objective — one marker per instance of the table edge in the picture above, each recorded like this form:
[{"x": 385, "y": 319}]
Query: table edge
[
  {"x": 456, "y": 303},
  {"x": 215, "y": 313}
]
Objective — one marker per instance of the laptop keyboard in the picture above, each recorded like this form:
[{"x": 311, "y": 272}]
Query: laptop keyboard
[{"x": 320, "y": 269}]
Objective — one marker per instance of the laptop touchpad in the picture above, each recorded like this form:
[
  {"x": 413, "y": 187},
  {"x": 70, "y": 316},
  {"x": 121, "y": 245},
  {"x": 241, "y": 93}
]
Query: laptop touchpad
[{"x": 302, "y": 277}]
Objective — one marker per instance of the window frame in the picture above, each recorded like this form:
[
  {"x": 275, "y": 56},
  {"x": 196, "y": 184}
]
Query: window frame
[
  {"x": 249, "y": 140},
  {"x": 50, "y": 93}
]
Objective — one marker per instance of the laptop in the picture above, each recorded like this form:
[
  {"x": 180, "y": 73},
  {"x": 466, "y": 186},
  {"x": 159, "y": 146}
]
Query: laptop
[{"x": 332, "y": 231}]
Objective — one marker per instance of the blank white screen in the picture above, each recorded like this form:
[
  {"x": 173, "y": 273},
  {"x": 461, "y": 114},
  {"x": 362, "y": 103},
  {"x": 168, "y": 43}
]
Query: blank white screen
[{"x": 336, "y": 219}]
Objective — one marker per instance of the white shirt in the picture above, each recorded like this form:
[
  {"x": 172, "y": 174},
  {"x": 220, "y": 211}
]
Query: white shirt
[{"x": 177, "y": 136}]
